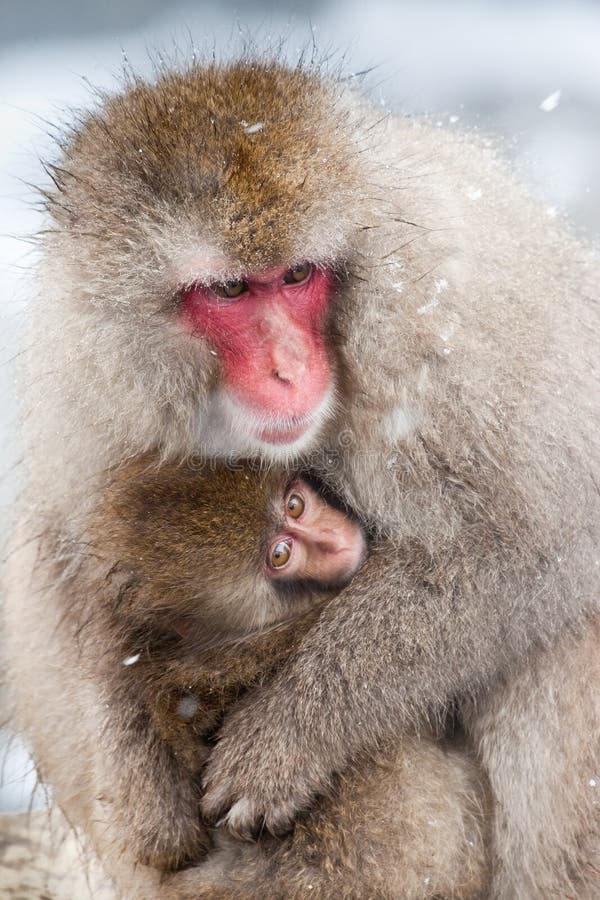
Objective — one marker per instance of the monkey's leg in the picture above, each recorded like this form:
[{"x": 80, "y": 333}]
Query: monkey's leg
[
  {"x": 410, "y": 824},
  {"x": 539, "y": 739}
]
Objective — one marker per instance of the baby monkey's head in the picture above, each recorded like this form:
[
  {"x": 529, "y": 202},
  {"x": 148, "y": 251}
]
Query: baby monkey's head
[
  {"x": 310, "y": 540},
  {"x": 221, "y": 550}
]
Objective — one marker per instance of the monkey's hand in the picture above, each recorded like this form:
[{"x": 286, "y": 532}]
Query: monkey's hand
[{"x": 262, "y": 772}]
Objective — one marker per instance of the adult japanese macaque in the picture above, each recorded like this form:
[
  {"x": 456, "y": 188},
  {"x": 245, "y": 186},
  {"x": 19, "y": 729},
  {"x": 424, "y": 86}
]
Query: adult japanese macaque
[
  {"x": 249, "y": 259},
  {"x": 220, "y": 573}
]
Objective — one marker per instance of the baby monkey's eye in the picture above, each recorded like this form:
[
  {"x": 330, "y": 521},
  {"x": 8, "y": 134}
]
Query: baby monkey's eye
[
  {"x": 280, "y": 554},
  {"x": 229, "y": 289},
  {"x": 298, "y": 274},
  {"x": 295, "y": 506}
]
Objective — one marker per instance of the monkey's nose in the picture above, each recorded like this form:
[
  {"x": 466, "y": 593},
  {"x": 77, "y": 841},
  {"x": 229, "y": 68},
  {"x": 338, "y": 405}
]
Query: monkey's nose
[
  {"x": 289, "y": 370},
  {"x": 289, "y": 377},
  {"x": 331, "y": 541}
]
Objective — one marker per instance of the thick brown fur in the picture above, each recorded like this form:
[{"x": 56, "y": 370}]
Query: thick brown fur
[
  {"x": 184, "y": 624},
  {"x": 463, "y": 336}
]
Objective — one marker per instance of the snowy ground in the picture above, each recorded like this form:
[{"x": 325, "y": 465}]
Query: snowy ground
[{"x": 527, "y": 70}]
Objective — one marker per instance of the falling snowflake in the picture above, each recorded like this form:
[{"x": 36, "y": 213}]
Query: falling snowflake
[
  {"x": 131, "y": 660},
  {"x": 252, "y": 129},
  {"x": 551, "y": 102}
]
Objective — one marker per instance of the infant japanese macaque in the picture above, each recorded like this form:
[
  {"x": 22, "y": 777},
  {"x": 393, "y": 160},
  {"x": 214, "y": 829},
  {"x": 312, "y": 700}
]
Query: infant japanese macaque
[{"x": 220, "y": 574}]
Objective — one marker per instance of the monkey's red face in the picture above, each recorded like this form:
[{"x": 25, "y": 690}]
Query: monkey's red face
[
  {"x": 267, "y": 330},
  {"x": 316, "y": 541}
]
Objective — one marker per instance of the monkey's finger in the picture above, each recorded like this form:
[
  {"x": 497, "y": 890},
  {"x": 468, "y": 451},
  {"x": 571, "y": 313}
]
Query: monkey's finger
[
  {"x": 279, "y": 817},
  {"x": 244, "y": 820},
  {"x": 217, "y": 802}
]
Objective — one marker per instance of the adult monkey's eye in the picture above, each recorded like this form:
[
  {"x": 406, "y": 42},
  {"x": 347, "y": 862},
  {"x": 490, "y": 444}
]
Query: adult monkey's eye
[
  {"x": 295, "y": 505},
  {"x": 280, "y": 554},
  {"x": 298, "y": 274},
  {"x": 230, "y": 289}
]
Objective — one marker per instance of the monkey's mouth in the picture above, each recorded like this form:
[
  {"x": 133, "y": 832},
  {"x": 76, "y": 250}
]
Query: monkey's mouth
[
  {"x": 278, "y": 430},
  {"x": 295, "y": 429},
  {"x": 288, "y": 434},
  {"x": 281, "y": 429},
  {"x": 249, "y": 431}
]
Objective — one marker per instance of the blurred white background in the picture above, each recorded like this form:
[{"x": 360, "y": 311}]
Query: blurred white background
[{"x": 528, "y": 70}]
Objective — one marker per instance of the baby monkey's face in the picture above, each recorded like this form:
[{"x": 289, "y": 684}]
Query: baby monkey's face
[{"x": 315, "y": 541}]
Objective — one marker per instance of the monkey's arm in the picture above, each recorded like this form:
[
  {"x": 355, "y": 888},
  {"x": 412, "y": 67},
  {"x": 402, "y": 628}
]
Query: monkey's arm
[
  {"x": 393, "y": 648},
  {"x": 151, "y": 792}
]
